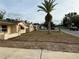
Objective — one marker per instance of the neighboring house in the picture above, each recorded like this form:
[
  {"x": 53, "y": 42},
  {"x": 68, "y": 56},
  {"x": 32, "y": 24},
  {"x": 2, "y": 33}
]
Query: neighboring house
[
  {"x": 22, "y": 27},
  {"x": 11, "y": 29},
  {"x": 30, "y": 27},
  {"x": 36, "y": 26},
  {"x": 43, "y": 28}
]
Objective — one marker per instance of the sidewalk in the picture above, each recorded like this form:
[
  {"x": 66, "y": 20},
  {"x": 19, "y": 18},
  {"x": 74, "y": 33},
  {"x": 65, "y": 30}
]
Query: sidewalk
[{"x": 16, "y": 53}]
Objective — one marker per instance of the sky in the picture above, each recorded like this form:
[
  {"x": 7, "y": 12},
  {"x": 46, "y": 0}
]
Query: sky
[{"x": 27, "y": 9}]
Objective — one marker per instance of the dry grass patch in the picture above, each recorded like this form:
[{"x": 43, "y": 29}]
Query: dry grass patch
[
  {"x": 45, "y": 37},
  {"x": 56, "y": 41}
]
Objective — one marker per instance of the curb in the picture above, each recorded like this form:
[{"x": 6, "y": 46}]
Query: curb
[{"x": 70, "y": 33}]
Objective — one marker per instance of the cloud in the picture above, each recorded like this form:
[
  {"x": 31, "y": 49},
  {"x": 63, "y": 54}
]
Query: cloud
[{"x": 27, "y": 9}]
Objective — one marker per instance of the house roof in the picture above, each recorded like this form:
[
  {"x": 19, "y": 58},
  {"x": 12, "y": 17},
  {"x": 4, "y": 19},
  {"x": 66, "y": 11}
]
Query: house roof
[
  {"x": 4, "y": 22},
  {"x": 28, "y": 24},
  {"x": 23, "y": 24}
]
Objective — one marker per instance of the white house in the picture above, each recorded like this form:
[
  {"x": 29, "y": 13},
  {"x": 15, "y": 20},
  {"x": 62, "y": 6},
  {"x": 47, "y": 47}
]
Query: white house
[
  {"x": 11, "y": 29},
  {"x": 30, "y": 27}
]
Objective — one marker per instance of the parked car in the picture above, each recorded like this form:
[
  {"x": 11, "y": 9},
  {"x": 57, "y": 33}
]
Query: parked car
[{"x": 74, "y": 28}]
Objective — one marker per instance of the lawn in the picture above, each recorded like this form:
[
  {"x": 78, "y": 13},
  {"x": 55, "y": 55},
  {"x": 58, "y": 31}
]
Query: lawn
[{"x": 56, "y": 41}]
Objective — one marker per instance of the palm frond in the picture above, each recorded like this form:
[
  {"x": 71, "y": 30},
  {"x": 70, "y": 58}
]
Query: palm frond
[
  {"x": 42, "y": 8},
  {"x": 48, "y": 5},
  {"x": 54, "y": 5}
]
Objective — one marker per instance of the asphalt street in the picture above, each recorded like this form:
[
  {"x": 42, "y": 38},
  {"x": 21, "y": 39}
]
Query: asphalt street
[{"x": 75, "y": 33}]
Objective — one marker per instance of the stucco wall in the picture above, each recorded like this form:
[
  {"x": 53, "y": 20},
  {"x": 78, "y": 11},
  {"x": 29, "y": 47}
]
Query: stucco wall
[
  {"x": 1, "y": 35},
  {"x": 31, "y": 28},
  {"x": 13, "y": 31},
  {"x": 21, "y": 30},
  {"x": 5, "y": 36},
  {"x": 8, "y": 36}
]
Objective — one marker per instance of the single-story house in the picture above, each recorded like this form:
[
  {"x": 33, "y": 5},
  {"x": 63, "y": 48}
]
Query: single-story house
[
  {"x": 30, "y": 27},
  {"x": 11, "y": 29}
]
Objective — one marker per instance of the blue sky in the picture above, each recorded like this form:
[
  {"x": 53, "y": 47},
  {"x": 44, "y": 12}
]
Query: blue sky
[{"x": 27, "y": 9}]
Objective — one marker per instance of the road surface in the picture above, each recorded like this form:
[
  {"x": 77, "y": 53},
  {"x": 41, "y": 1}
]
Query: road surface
[{"x": 75, "y": 33}]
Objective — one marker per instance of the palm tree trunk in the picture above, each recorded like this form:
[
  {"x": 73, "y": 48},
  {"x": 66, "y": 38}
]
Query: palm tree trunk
[{"x": 49, "y": 27}]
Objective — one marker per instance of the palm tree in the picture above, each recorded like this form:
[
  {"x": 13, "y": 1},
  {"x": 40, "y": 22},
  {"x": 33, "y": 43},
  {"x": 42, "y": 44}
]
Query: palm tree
[{"x": 48, "y": 6}]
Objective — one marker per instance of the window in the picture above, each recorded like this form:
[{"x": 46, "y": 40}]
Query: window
[{"x": 4, "y": 28}]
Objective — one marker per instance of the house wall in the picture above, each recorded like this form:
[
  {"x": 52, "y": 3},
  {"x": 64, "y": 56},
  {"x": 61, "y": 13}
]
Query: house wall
[
  {"x": 8, "y": 29},
  {"x": 13, "y": 31},
  {"x": 21, "y": 30},
  {"x": 8, "y": 36},
  {"x": 36, "y": 27},
  {"x": 1, "y": 35},
  {"x": 31, "y": 28}
]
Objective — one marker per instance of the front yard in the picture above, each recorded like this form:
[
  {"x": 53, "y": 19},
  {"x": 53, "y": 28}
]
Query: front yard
[{"x": 56, "y": 41}]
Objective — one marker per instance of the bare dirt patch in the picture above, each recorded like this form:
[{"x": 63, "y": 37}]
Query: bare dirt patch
[{"x": 56, "y": 41}]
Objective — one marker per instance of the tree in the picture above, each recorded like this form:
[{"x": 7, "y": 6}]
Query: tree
[
  {"x": 48, "y": 6},
  {"x": 2, "y": 13},
  {"x": 66, "y": 22},
  {"x": 52, "y": 25},
  {"x": 11, "y": 20},
  {"x": 70, "y": 18},
  {"x": 75, "y": 20},
  {"x": 8, "y": 19}
]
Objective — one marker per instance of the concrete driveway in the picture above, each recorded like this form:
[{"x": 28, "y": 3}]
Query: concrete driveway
[
  {"x": 75, "y": 33},
  {"x": 15, "y": 53}
]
